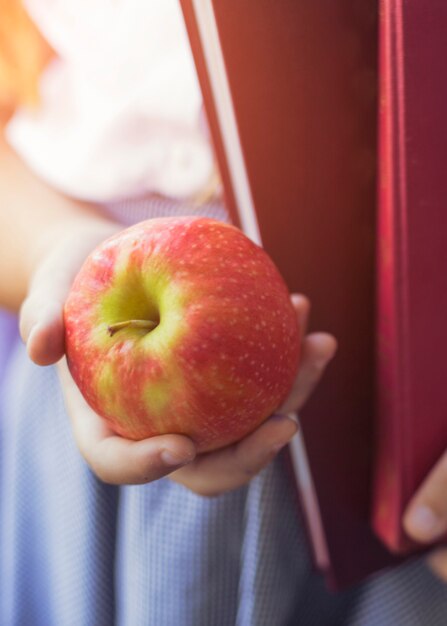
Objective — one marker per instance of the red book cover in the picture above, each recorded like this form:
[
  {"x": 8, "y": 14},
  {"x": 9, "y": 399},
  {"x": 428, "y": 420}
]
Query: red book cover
[
  {"x": 290, "y": 91},
  {"x": 411, "y": 415}
]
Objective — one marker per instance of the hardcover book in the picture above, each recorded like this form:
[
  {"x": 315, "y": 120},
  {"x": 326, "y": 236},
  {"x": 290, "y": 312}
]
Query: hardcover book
[
  {"x": 411, "y": 413},
  {"x": 290, "y": 89}
]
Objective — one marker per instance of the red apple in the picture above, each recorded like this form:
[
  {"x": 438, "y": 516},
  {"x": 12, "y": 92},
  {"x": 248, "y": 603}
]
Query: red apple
[{"x": 182, "y": 325}]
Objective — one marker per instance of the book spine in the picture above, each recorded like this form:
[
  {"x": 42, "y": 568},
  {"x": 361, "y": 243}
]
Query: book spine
[
  {"x": 392, "y": 278},
  {"x": 195, "y": 38}
]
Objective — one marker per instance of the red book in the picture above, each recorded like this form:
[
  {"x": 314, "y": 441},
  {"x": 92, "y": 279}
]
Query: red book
[
  {"x": 411, "y": 414},
  {"x": 290, "y": 89}
]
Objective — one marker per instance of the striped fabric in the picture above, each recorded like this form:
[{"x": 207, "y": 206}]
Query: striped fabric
[{"x": 77, "y": 552}]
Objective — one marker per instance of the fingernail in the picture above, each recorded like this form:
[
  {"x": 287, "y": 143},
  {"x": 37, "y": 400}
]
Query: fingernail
[
  {"x": 173, "y": 458},
  {"x": 425, "y": 523},
  {"x": 280, "y": 417}
]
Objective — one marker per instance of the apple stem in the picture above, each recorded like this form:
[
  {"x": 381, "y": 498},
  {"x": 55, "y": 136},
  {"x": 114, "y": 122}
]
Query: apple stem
[{"x": 144, "y": 324}]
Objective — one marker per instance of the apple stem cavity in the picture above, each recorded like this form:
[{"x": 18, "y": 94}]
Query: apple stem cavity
[{"x": 142, "y": 324}]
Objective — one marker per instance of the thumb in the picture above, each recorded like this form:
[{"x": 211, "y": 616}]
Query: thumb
[
  {"x": 41, "y": 314},
  {"x": 41, "y": 327}
]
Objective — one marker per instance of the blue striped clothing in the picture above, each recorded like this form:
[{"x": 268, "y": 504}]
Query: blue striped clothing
[{"x": 77, "y": 552}]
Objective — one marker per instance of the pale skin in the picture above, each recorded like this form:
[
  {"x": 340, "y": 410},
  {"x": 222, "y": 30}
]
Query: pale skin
[{"x": 45, "y": 237}]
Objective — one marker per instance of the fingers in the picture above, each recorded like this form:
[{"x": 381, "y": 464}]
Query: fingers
[
  {"x": 232, "y": 467},
  {"x": 120, "y": 461},
  {"x": 41, "y": 325},
  {"x": 114, "y": 459},
  {"x": 41, "y": 314},
  {"x": 317, "y": 350},
  {"x": 41, "y": 328},
  {"x": 425, "y": 519}
]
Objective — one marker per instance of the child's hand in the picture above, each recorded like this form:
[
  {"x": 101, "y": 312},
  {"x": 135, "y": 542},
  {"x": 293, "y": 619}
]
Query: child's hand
[
  {"x": 216, "y": 472},
  {"x": 114, "y": 459},
  {"x": 120, "y": 461}
]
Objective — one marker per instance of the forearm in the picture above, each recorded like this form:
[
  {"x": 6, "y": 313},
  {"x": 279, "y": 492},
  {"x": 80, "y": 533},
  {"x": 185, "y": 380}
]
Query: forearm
[{"x": 32, "y": 217}]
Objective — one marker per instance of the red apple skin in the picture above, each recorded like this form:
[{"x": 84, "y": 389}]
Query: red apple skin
[{"x": 225, "y": 353}]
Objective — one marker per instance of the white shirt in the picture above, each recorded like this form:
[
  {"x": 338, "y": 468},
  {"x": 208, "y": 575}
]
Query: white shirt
[{"x": 121, "y": 109}]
